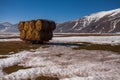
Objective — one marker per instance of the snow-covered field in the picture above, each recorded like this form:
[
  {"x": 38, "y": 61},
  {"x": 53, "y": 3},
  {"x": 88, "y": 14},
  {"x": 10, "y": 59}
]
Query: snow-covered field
[
  {"x": 91, "y": 39},
  {"x": 64, "y": 62}
]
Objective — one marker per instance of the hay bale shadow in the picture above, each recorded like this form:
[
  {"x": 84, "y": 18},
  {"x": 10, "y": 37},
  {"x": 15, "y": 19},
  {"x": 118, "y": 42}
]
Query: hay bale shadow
[{"x": 65, "y": 44}]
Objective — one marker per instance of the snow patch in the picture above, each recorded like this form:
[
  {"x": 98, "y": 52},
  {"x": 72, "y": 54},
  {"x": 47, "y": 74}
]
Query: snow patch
[
  {"x": 13, "y": 59},
  {"x": 12, "y": 39},
  {"x": 75, "y": 25},
  {"x": 91, "y": 39},
  {"x": 78, "y": 78},
  {"x": 113, "y": 25}
]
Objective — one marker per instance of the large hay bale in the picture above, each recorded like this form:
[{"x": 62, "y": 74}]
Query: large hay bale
[
  {"x": 21, "y": 26},
  {"x": 26, "y": 25},
  {"x": 36, "y": 30},
  {"x": 22, "y": 34}
]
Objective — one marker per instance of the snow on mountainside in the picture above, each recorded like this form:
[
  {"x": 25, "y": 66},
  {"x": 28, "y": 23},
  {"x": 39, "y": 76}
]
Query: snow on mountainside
[
  {"x": 100, "y": 15},
  {"x": 7, "y": 24},
  {"x": 7, "y": 27},
  {"x": 101, "y": 22}
]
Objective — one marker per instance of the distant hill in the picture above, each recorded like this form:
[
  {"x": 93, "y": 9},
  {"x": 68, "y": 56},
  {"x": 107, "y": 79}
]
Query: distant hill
[
  {"x": 101, "y": 22},
  {"x": 7, "y": 27}
]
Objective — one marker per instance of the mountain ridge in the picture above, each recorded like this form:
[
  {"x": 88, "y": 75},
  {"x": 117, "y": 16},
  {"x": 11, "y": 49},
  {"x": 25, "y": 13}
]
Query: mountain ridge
[
  {"x": 100, "y": 22},
  {"x": 7, "y": 27}
]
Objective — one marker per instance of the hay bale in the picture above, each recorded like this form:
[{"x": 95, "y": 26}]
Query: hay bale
[
  {"x": 49, "y": 35},
  {"x": 43, "y": 25},
  {"x": 38, "y": 25},
  {"x": 28, "y": 35},
  {"x": 46, "y": 36},
  {"x": 31, "y": 25},
  {"x": 22, "y": 34},
  {"x": 21, "y": 26},
  {"x": 42, "y": 35},
  {"x": 35, "y": 35},
  {"x": 53, "y": 26},
  {"x": 26, "y": 25},
  {"x": 49, "y": 25}
]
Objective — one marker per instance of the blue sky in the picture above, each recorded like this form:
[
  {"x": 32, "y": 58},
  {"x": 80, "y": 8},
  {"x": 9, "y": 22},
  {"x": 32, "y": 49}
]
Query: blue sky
[{"x": 58, "y": 10}]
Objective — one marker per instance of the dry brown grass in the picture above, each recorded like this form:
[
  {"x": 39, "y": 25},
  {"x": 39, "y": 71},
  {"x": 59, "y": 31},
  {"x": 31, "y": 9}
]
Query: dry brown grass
[
  {"x": 16, "y": 46},
  {"x": 13, "y": 68},
  {"x": 46, "y": 78},
  {"x": 106, "y": 47},
  {"x": 1, "y": 57},
  {"x": 83, "y": 34}
]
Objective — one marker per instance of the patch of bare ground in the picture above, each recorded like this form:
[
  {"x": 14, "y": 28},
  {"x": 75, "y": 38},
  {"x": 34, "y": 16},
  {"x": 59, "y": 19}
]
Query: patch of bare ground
[
  {"x": 16, "y": 46},
  {"x": 46, "y": 78},
  {"x": 83, "y": 34},
  {"x": 13, "y": 68},
  {"x": 3, "y": 56},
  {"x": 106, "y": 47}
]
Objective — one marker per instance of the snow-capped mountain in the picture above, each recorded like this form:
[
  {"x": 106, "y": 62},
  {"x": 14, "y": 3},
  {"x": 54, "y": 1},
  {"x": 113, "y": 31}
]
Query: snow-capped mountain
[
  {"x": 101, "y": 22},
  {"x": 7, "y": 27}
]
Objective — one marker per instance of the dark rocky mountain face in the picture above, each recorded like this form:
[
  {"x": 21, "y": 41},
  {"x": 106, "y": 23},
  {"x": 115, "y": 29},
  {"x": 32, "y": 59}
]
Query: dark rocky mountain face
[{"x": 102, "y": 22}]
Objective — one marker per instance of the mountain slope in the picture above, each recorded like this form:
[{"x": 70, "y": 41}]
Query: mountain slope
[
  {"x": 7, "y": 27},
  {"x": 101, "y": 22}
]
